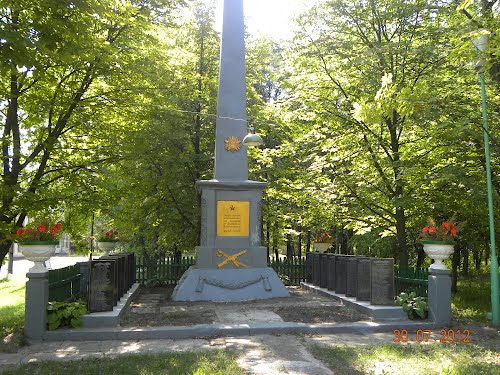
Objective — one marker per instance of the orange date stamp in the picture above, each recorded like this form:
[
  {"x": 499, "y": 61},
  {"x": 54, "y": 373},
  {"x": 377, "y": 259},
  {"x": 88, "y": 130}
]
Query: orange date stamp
[{"x": 428, "y": 335}]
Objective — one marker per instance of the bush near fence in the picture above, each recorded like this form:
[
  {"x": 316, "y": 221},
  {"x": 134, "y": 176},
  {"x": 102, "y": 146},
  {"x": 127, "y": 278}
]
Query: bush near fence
[
  {"x": 411, "y": 279},
  {"x": 64, "y": 283}
]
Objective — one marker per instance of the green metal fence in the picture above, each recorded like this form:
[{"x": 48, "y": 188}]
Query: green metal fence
[
  {"x": 411, "y": 279},
  {"x": 291, "y": 271},
  {"x": 167, "y": 270},
  {"x": 64, "y": 283}
]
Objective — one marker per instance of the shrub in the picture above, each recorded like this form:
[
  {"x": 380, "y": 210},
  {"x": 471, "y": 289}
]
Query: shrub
[
  {"x": 65, "y": 314},
  {"x": 415, "y": 307}
]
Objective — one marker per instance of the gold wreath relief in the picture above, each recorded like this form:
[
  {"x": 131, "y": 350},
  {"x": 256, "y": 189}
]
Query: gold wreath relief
[{"x": 232, "y": 144}]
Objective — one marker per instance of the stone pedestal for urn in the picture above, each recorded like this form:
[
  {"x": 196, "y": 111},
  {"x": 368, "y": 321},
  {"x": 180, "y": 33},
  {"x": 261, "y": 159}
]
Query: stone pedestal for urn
[
  {"x": 439, "y": 281},
  {"x": 37, "y": 287}
]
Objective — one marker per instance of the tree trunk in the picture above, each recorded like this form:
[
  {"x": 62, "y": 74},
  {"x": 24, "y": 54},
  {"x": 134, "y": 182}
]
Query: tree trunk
[
  {"x": 299, "y": 250},
  {"x": 268, "y": 235},
  {"x": 455, "y": 263},
  {"x": 477, "y": 259},
  {"x": 289, "y": 246},
  {"x": 420, "y": 256},
  {"x": 4, "y": 250},
  {"x": 465, "y": 255},
  {"x": 401, "y": 237},
  {"x": 308, "y": 242}
]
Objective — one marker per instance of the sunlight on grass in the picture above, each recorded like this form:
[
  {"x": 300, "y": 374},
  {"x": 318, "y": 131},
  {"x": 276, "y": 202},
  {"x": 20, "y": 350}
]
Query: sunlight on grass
[
  {"x": 473, "y": 300},
  {"x": 454, "y": 359},
  {"x": 12, "y": 295},
  {"x": 220, "y": 362}
]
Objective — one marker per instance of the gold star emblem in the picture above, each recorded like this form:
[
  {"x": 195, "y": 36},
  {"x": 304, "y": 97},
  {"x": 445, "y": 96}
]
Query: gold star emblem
[{"x": 232, "y": 144}]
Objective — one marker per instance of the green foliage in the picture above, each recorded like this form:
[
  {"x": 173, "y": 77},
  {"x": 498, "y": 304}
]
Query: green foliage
[
  {"x": 472, "y": 302},
  {"x": 415, "y": 307},
  {"x": 60, "y": 314},
  {"x": 65, "y": 70}
]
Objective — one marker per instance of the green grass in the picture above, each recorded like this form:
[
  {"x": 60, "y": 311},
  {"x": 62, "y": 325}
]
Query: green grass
[
  {"x": 473, "y": 300},
  {"x": 220, "y": 362},
  {"x": 416, "y": 359},
  {"x": 12, "y": 296}
]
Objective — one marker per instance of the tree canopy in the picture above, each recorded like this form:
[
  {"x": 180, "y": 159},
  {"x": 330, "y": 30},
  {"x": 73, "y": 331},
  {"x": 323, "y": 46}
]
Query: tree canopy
[{"x": 371, "y": 116}]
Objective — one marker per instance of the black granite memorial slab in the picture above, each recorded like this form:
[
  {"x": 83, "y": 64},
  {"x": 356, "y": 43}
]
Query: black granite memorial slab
[
  {"x": 309, "y": 267},
  {"x": 115, "y": 280},
  {"x": 118, "y": 282},
  {"x": 340, "y": 274},
  {"x": 382, "y": 280},
  {"x": 132, "y": 269},
  {"x": 351, "y": 276},
  {"x": 331, "y": 272},
  {"x": 122, "y": 273},
  {"x": 316, "y": 269},
  {"x": 102, "y": 291},
  {"x": 363, "y": 291},
  {"x": 323, "y": 270}
]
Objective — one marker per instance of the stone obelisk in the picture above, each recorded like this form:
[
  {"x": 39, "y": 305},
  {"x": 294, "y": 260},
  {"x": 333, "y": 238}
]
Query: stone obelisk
[{"x": 231, "y": 264}]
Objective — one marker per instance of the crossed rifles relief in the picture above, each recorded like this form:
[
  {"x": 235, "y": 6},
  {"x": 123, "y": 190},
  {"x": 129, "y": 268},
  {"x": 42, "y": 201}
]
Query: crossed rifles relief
[{"x": 230, "y": 258}]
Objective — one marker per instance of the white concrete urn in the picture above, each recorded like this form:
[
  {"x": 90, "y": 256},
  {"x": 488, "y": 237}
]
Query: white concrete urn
[
  {"x": 106, "y": 246},
  {"x": 38, "y": 252},
  {"x": 322, "y": 246},
  {"x": 438, "y": 251}
]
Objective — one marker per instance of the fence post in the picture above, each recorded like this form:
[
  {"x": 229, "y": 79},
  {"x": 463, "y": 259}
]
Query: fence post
[{"x": 37, "y": 297}]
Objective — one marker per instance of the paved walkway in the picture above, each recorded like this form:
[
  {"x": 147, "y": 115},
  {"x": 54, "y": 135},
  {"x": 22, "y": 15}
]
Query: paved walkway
[
  {"x": 262, "y": 355},
  {"x": 21, "y": 265}
]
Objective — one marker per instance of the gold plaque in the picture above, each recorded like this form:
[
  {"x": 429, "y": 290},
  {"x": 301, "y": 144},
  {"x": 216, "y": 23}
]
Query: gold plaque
[
  {"x": 233, "y": 218},
  {"x": 232, "y": 144}
]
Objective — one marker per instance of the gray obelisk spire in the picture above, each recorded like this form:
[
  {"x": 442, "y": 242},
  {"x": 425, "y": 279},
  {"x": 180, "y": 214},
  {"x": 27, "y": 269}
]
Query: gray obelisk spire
[
  {"x": 231, "y": 263},
  {"x": 231, "y": 105}
]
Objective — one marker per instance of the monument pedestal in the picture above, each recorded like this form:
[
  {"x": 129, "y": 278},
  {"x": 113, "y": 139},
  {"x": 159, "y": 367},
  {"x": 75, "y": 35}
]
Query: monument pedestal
[
  {"x": 229, "y": 285},
  {"x": 231, "y": 265}
]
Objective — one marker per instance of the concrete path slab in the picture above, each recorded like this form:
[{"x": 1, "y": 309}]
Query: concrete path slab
[
  {"x": 265, "y": 354},
  {"x": 247, "y": 316}
]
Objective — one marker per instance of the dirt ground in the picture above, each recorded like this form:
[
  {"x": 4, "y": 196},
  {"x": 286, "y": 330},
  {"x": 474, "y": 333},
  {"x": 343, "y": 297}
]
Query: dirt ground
[{"x": 154, "y": 307}]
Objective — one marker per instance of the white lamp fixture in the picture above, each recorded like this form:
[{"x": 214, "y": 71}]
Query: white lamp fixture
[
  {"x": 252, "y": 139},
  {"x": 481, "y": 42}
]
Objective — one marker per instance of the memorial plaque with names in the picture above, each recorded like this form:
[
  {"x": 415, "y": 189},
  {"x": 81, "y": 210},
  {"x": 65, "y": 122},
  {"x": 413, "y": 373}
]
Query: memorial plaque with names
[
  {"x": 323, "y": 270},
  {"x": 309, "y": 267},
  {"x": 351, "y": 276},
  {"x": 102, "y": 293},
  {"x": 331, "y": 272},
  {"x": 364, "y": 279},
  {"x": 132, "y": 268},
  {"x": 129, "y": 269},
  {"x": 233, "y": 218},
  {"x": 340, "y": 274},
  {"x": 117, "y": 279},
  {"x": 122, "y": 273},
  {"x": 316, "y": 269},
  {"x": 382, "y": 276}
]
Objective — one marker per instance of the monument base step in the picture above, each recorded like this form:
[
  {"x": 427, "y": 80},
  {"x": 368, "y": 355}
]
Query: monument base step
[
  {"x": 229, "y": 285},
  {"x": 375, "y": 312}
]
